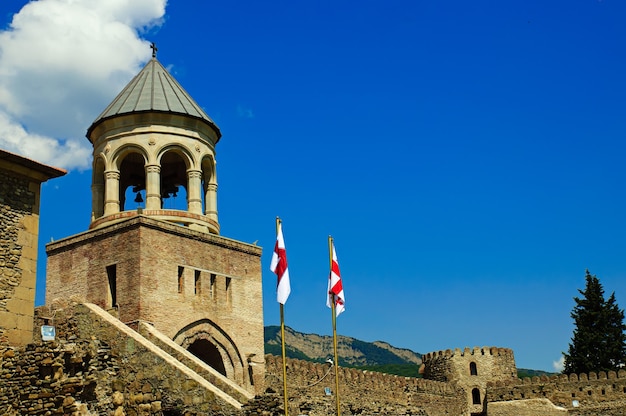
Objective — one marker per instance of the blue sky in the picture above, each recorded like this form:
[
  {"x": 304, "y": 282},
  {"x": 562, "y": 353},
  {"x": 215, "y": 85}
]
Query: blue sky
[{"x": 467, "y": 157}]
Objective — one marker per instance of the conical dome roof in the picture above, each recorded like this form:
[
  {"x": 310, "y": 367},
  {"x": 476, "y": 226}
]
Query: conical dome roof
[{"x": 153, "y": 89}]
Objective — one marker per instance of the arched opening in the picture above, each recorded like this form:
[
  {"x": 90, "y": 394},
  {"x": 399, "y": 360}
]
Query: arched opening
[
  {"x": 132, "y": 181},
  {"x": 473, "y": 369},
  {"x": 97, "y": 188},
  {"x": 208, "y": 177},
  {"x": 475, "y": 396},
  {"x": 207, "y": 352},
  {"x": 173, "y": 181}
]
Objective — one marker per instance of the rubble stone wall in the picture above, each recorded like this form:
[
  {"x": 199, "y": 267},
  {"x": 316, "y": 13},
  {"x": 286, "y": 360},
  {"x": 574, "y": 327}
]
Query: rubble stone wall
[
  {"x": 584, "y": 394},
  {"x": 361, "y": 392},
  {"x": 92, "y": 368},
  {"x": 19, "y": 223}
]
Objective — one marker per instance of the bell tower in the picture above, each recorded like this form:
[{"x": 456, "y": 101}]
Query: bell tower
[
  {"x": 154, "y": 143},
  {"x": 153, "y": 251}
]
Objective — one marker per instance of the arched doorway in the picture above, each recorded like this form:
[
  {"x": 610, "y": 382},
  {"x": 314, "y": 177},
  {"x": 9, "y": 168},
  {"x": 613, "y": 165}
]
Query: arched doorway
[
  {"x": 213, "y": 346},
  {"x": 207, "y": 352}
]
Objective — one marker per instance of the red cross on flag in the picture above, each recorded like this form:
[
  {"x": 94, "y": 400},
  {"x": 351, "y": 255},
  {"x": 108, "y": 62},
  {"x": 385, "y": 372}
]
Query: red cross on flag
[
  {"x": 335, "y": 288},
  {"x": 279, "y": 266}
]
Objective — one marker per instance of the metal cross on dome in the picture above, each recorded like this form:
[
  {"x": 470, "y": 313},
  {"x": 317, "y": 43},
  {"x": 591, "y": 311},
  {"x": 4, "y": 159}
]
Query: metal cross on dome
[{"x": 154, "y": 49}]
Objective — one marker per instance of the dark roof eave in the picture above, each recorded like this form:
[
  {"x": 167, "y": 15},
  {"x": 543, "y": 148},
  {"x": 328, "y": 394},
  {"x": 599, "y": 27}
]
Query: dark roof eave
[{"x": 50, "y": 172}]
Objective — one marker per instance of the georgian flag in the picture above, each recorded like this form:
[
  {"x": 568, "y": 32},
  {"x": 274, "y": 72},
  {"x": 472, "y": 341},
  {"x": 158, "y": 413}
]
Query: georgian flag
[
  {"x": 279, "y": 266},
  {"x": 335, "y": 288}
]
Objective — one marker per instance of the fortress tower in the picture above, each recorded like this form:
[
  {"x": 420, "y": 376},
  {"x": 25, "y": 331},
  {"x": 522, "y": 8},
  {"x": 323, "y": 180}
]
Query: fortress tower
[
  {"x": 153, "y": 251},
  {"x": 471, "y": 369}
]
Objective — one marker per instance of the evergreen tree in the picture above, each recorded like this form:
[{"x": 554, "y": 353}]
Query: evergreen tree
[{"x": 599, "y": 343}]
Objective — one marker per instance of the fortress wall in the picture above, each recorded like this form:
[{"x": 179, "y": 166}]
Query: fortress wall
[
  {"x": 94, "y": 368},
  {"x": 589, "y": 391},
  {"x": 361, "y": 391},
  {"x": 490, "y": 363}
]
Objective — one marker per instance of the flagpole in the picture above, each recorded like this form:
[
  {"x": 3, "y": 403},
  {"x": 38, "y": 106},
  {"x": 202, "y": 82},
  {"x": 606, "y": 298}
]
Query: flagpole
[
  {"x": 282, "y": 338},
  {"x": 332, "y": 309}
]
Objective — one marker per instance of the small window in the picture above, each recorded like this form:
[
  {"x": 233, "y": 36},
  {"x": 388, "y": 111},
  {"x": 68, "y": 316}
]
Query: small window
[
  {"x": 212, "y": 286},
  {"x": 228, "y": 292},
  {"x": 196, "y": 282},
  {"x": 181, "y": 279},
  {"x": 112, "y": 280},
  {"x": 473, "y": 369},
  {"x": 475, "y": 396}
]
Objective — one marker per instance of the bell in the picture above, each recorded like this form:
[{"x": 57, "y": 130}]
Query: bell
[{"x": 138, "y": 198}]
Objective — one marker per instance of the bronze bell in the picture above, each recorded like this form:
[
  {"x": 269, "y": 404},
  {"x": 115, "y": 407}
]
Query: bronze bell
[{"x": 138, "y": 198}]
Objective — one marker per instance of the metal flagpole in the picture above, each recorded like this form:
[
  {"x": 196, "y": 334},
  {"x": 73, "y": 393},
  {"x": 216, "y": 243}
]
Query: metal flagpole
[
  {"x": 332, "y": 308},
  {"x": 282, "y": 338}
]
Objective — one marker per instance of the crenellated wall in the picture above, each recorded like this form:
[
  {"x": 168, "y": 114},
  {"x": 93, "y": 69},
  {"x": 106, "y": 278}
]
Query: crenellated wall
[
  {"x": 362, "y": 392},
  {"x": 471, "y": 369},
  {"x": 584, "y": 394}
]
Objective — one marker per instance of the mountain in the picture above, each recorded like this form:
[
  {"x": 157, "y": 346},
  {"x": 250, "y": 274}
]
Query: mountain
[{"x": 375, "y": 356}]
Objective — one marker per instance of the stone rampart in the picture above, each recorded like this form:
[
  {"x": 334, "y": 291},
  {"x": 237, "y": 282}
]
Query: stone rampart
[
  {"x": 361, "y": 392},
  {"x": 585, "y": 394},
  {"x": 455, "y": 365},
  {"x": 93, "y": 367}
]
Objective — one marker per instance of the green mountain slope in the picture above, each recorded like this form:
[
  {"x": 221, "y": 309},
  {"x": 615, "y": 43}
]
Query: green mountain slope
[{"x": 374, "y": 356}]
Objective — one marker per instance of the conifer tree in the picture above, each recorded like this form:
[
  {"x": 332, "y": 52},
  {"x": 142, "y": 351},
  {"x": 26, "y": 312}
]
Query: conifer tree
[{"x": 599, "y": 343}]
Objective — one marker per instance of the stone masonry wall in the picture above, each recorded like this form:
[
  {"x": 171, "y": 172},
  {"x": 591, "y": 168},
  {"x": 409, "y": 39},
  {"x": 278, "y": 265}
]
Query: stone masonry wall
[
  {"x": 192, "y": 286},
  {"x": 361, "y": 392},
  {"x": 93, "y": 369},
  {"x": 471, "y": 369},
  {"x": 18, "y": 257},
  {"x": 585, "y": 394}
]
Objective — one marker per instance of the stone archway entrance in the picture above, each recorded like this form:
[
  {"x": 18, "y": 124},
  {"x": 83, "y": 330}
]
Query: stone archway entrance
[
  {"x": 207, "y": 352},
  {"x": 209, "y": 343}
]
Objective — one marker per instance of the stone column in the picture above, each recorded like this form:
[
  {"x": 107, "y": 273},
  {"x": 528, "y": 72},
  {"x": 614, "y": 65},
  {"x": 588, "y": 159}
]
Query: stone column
[
  {"x": 210, "y": 201},
  {"x": 194, "y": 191},
  {"x": 112, "y": 192},
  {"x": 153, "y": 187}
]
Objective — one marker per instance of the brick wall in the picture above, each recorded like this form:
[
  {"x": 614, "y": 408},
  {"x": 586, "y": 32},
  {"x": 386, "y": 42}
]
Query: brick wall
[{"x": 193, "y": 286}]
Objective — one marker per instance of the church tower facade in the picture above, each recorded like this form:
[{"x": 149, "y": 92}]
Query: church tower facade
[
  {"x": 154, "y": 142},
  {"x": 153, "y": 252}
]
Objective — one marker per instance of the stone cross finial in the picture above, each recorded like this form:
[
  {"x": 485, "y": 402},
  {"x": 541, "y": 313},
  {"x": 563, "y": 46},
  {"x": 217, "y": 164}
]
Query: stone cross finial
[{"x": 154, "y": 49}]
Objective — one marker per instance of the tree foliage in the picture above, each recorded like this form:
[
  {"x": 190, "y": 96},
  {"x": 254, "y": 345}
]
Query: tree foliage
[{"x": 598, "y": 343}]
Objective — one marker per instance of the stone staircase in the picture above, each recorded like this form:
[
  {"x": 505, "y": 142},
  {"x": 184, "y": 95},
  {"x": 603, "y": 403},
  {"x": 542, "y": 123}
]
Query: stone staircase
[{"x": 166, "y": 352}]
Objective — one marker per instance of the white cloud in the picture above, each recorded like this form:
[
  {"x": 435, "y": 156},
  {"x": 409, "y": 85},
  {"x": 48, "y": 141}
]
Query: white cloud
[
  {"x": 559, "y": 365},
  {"x": 61, "y": 63}
]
